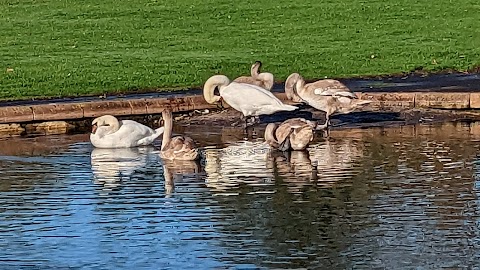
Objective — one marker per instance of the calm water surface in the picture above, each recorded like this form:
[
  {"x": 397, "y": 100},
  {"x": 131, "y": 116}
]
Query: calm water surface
[{"x": 391, "y": 198}]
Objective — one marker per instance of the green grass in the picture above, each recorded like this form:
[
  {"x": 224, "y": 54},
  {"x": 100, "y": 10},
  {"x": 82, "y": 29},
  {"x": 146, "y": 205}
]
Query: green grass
[{"x": 83, "y": 47}]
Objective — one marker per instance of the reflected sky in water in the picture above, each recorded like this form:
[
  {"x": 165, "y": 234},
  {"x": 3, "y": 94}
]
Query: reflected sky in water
[{"x": 391, "y": 198}]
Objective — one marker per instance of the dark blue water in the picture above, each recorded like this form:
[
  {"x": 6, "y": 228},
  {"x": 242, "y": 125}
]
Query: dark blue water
[{"x": 392, "y": 198}]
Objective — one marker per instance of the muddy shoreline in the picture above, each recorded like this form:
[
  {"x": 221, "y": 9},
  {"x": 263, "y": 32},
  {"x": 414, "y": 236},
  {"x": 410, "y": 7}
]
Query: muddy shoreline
[
  {"x": 214, "y": 129},
  {"x": 227, "y": 119},
  {"x": 395, "y": 101}
]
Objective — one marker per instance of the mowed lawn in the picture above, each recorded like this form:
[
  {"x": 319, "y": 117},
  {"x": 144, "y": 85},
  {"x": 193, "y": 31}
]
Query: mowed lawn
[{"x": 51, "y": 48}]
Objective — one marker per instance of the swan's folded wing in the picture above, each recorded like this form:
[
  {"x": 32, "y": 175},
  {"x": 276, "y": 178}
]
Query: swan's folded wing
[
  {"x": 133, "y": 132},
  {"x": 334, "y": 93},
  {"x": 252, "y": 95},
  {"x": 333, "y": 88},
  {"x": 245, "y": 79},
  {"x": 283, "y": 132},
  {"x": 181, "y": 148},
  {"x": 180, "y": 143}
]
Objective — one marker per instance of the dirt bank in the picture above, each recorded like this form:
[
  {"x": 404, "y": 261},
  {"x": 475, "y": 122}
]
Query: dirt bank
[{"x": 395, "y": 101}]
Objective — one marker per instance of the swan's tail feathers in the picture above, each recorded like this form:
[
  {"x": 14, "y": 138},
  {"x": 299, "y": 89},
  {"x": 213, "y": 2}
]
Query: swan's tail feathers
[
  {"x": 289, "y": 107},
  {"x": 192, "y": 154},
  {"x": 149, "y": 140},
  {"x": 363, "y": 102}
]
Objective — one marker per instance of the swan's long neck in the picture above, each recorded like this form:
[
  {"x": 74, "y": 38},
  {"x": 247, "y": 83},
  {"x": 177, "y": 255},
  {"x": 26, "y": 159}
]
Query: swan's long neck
[
  {"x": 290, "y": 84},
  {"x": 168, "y": 126},
  {"x": 270, "y": 134},
  {"x": 210, "y": 85},
  {"x": 114, "y": 125},
  {"x": 299, "y": 86},
  {"x": 255, "y": 69}
]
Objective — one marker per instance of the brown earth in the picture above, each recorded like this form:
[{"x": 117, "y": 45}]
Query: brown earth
[{"x": 396, "y": 101}]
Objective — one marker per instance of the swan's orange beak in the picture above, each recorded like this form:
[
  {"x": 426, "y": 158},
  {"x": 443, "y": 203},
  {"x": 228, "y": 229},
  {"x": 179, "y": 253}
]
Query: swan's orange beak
[{"x": 94, "y": 128}]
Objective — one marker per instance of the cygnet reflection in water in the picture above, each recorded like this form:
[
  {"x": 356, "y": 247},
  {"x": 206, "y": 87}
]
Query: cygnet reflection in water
[
  {"x": 255, "y": 164},
  {"x": 177, "y": 170},
  {"x": 335, "y": 160},
  {"x": 295, "y": 169}
]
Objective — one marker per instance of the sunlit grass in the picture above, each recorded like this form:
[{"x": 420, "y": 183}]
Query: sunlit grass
[{"x": 68, "y": 48}]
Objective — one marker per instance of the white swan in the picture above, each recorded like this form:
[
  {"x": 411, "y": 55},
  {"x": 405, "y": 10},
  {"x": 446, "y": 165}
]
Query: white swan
[
  {"x": 250, "y": 100},
  {"x": 108, "y": 132},
  {"x": 262, "y": 79},
  {"x": 330, "y": 96}
]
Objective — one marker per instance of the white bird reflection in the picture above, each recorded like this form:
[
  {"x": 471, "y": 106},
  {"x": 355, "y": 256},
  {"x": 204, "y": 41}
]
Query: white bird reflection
[
  {"x": 111, "y": 166},
  {"x": 241, "y": 162},
  {"x": 253, "y": 163}
]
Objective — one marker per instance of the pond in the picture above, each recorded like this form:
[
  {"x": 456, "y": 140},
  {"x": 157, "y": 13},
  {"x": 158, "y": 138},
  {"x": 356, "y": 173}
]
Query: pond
[{"x": 377, "y": 198}]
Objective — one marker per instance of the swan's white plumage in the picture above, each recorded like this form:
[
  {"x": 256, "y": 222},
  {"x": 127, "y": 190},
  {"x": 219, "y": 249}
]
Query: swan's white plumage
[
  {"x": 129, "y": 134},
  {"x": 252, "y": 100}
]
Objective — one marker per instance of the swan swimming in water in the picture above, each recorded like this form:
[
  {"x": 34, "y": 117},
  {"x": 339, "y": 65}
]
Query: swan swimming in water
[
  {"x": 329, "y": 96},
  {"x": 250, "y": 100},
  {"x": 262, "y": 79},
  {"x": 292, "y": 134},
  {"x": 178, "y": 147},
  {"x": 109, "y": 132}
]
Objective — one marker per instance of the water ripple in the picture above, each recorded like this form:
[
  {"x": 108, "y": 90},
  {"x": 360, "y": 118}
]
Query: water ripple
[{"x": 391, "y": 198}]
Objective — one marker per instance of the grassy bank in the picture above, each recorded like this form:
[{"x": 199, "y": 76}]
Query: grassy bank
[{"x": 68, "y": 48}]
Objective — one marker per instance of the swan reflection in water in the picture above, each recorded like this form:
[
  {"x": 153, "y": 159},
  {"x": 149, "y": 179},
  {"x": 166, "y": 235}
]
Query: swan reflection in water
[
  {"x": 295, "y": 169},
  {"x": 335, "y": 160},
  {"x": 244, "y": 162},
  {"x": 178, "y": 170},
  {"x": 324, "y": 164},
  {"x": 111, "y": 167}
]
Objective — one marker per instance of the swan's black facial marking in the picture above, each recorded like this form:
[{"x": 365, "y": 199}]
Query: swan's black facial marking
[{"x": 216, "y": 91}]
